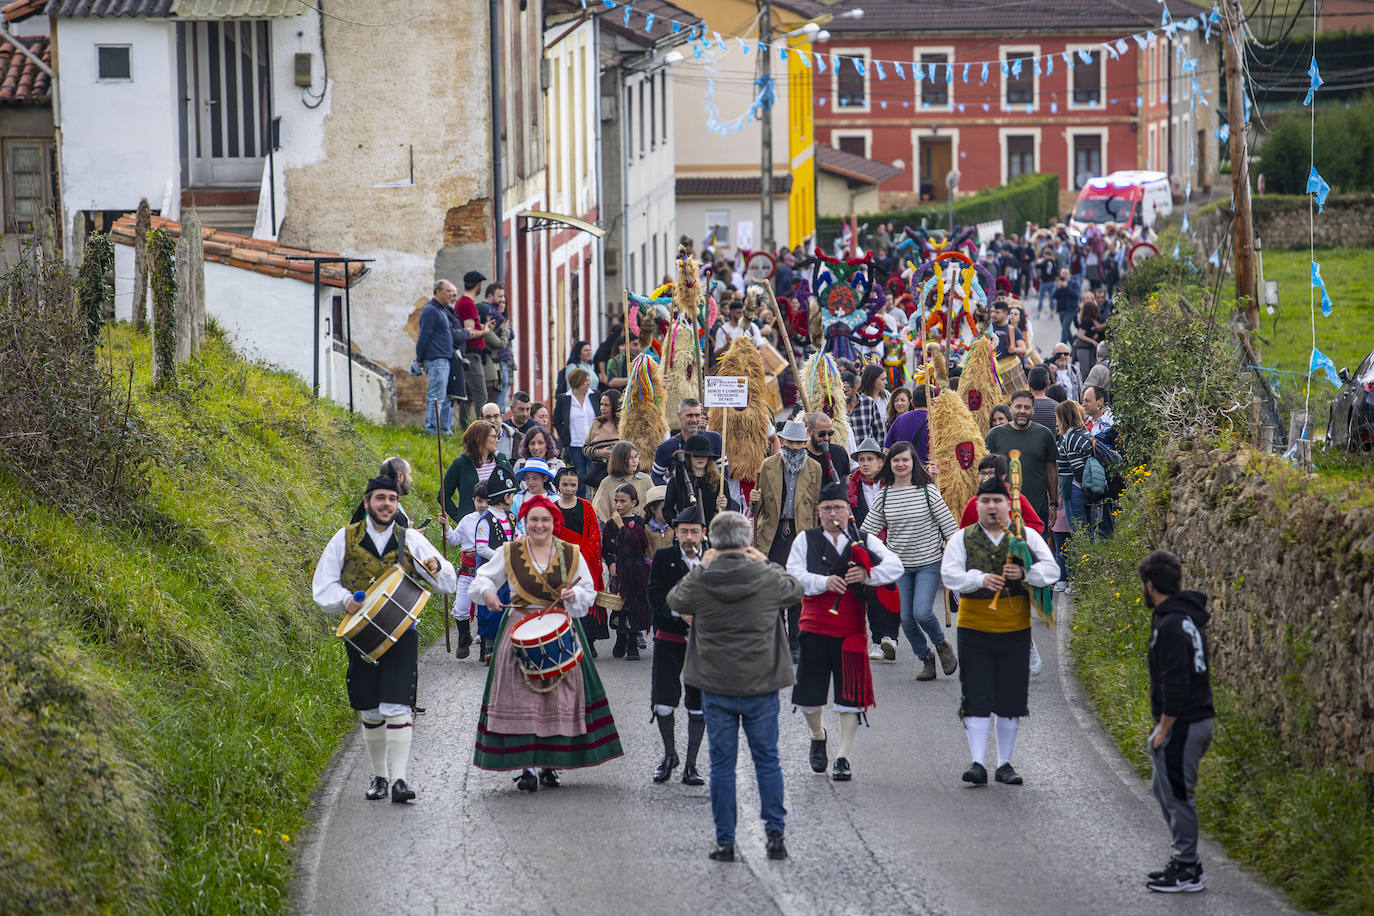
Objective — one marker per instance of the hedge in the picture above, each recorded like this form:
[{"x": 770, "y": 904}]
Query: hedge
[
  {"x": 1344, "y": 149},
  {"x": 1028, "y": 198}
]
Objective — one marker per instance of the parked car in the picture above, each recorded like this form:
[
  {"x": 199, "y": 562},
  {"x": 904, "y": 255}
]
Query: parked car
[{"x": 1350, "y": 424}]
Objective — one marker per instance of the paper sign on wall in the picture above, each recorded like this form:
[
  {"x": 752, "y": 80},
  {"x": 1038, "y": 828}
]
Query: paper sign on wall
[
  {"x": 744, "y": 234},
  {"x": 727, "y": 391}
]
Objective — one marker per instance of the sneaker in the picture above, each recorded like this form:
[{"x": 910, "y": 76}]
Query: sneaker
[
  {"x": 1179, "y": 878},
  {"x": 723, "y": 853},
  {"x": 1156, "y": 875},
  {"x": 640, "y": 641},
  {"x": 876, "y": 652},
  {"x": 1035, "y": 663},
  {"x": 1061, "y": 585},
  {"x": 947, "y": 660},
  {"x": 777, "y": 849},
  {"x": 889, "y": 647}
]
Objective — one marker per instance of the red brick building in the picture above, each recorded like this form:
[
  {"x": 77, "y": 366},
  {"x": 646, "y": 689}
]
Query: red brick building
[{"x": 1112, "y": 109}]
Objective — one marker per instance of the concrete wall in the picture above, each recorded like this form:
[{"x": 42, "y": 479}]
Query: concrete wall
[
  {"x": 424, "y": 88},
  {"x": 691, "y": 217},
  {"x": 118, "y": 140},
  {"x": 833, "y": 196}
]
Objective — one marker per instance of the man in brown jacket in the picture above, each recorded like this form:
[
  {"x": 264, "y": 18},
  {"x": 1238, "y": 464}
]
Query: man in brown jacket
[
  {"x": 737, "y": 657},
  {"x": 784, "y": 503}
]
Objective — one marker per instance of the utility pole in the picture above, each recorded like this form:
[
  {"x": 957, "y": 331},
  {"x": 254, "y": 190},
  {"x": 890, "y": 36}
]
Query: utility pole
[
  {"x": 766, "y": 125},
  {"x": 1244, "y": 231}
]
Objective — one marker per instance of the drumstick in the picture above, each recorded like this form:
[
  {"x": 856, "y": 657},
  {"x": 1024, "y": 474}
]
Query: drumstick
[{"x": 443, "y": 522}]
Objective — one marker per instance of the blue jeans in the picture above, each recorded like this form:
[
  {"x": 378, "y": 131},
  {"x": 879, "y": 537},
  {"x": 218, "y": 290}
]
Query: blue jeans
[
  {"x": 917, "y": 587},
  {"x": 1066, "y": 327},
  {"x": 759, "y": 716},
  {"x": 1046, "y": 289},
  {"x": 1073, "y": 501},
  {"x": 437, "y": 372},
  {"x": 502, "y": 379}
]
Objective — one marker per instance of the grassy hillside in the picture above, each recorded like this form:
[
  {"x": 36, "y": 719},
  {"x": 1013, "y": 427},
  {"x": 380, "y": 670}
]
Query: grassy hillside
[{"x": 169, "y": 693}]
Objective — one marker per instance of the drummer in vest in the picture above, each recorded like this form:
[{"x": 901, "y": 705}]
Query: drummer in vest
[
  {"x": 548, "y": 725},
  {"x": 384, "y": 692},
  {"x": 670, "y": 565},
  {"x": 994, "y": 626},
  {"x": 834, "y": 569}
]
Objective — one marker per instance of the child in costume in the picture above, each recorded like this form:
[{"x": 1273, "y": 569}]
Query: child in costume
[
  {"x": 495, "y": 527},
  {"x": 625, "y": 549},
  {"x": 464, "y": 537},
  {"x": 536, "y": 479}
]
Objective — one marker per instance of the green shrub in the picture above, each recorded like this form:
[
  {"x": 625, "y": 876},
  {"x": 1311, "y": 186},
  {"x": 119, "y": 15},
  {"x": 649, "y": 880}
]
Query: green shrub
[
  {"x": 1344, "y": 148},
  {"x": 1027, "y": 198}
]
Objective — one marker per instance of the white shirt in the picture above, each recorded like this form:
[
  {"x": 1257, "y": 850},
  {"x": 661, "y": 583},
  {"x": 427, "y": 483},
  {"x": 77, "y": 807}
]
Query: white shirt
[
  {"x": 728, "y": 332},
  {"x": 888, "y": 570},
  {"x": 330, "y": 594},
  {"x": 491, "y": 575},
  {"x": 692, "y": 563},
  {"x": 1044, "y": 572},
  {"x": 580, "y": 418},
  {"x": 464, "y": 534}
]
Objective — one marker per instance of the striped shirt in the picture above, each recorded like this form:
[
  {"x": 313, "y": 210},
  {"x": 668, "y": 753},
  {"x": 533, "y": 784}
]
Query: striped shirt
[
  {"x": 917, "y": 521},
  {"x": 1074, "y": 449}
]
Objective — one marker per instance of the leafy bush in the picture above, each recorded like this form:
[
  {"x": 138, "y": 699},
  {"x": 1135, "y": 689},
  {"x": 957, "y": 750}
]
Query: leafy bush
[
  {"x": 1344, "y": 149},
  {"x": 1031, "y": 197}
]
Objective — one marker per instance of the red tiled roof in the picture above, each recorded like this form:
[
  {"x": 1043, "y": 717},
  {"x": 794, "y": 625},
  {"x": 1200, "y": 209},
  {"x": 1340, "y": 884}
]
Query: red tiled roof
[
  {"x": 730, "y": 186},
  {"x": 261, "y": 255},
  {"x": 19, "y": 10},
  {"x": 21, "y": 80},
  {"x": 856, "y": 168}
]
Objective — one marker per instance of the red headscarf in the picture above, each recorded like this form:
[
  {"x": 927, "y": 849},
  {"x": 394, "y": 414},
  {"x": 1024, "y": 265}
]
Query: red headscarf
[{"x": 543, "y": 502}]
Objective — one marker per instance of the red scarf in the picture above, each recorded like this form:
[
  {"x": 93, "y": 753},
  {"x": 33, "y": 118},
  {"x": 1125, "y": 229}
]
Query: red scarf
[{"x": 856, "y": 480}]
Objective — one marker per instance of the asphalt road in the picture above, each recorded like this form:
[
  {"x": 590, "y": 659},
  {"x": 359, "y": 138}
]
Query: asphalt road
[{"x": 905, "y": 836}]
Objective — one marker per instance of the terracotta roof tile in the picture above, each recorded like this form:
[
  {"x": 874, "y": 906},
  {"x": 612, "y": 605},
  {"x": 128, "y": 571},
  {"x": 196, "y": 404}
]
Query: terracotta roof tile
[
  {"x": 730, "y": 186},
  {"x": 19, "y": 10},
  {"x": 21, "y": 81},
  {"x": 858, "y": 168},
  {"x": 247, "y": 253}
]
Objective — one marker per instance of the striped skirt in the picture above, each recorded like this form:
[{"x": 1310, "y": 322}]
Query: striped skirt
[{"x": 599, "y": 742}]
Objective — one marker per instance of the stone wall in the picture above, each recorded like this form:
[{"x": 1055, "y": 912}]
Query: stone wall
[
  {"x": 1281, "y": 222},
  {"x": 1287, "y": 561}
]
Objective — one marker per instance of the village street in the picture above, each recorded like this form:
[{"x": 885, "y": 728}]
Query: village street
[{"x": 905, "y": 836}]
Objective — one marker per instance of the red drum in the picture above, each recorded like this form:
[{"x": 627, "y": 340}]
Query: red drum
[{"x": 545, "y": 645}]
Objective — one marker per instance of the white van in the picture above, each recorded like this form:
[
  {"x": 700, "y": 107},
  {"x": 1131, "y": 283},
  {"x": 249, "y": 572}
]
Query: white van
[{"x": 1132, "y": 199}]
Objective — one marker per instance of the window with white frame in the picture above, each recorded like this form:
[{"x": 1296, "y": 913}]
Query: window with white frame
[
  {"x": 114, "y": 63},
  {"x": 933, "y": 88},
  {"x": 1086, "y": 79},
  {"x": 855, "y": 143},
  {"x": 1018, "y": 86},
  {"x": 851, "y": 80},
  {"x": 29, "y": 170},
  {"x": 1087, "y": 158},
  {"x": 1020, "y": 155}
]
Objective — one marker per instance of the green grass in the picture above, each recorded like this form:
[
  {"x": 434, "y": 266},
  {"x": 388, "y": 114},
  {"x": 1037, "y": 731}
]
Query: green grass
[
  {"x": 169, "y": 692},
  {"x": 1308, "y": 831},
  {"x": 1347, "y": 335}
]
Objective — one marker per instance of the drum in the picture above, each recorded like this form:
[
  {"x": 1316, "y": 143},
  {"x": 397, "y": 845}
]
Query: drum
[
  {"x": 772, "y": 393},
  {"x": 1012, "y": 375},
  {"x": 545, "y": 645},
  {"x": 392, "y": 606},
  {"x": 773, "y": 360}
]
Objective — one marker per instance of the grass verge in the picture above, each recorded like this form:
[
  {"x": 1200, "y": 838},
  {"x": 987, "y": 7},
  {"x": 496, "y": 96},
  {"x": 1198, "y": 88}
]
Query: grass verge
[
  {"x": 169, "y": 692},
  {"x": 1309, "y": 832}
]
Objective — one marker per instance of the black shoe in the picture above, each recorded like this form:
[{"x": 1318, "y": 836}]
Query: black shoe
[
  {"x": 549, "y": 778},
  {"x": 841, "y": 772},
  {"x": 618, "y": 650},
  {"x": 419, "y": 710},
  {"x": 400, "y": 792},
  {"x": 378, "y": 790},
  {"x": 464, "y": 639},
  {"x": 1156, "y": 875},
  {"x": 976, "y": 774},
  {"x": 640, "y": 641},
  {"x": 631, "y": 650},
  {"x": 1179, "y": 878},
  {"x": 690, "y": 776},
  {"x": 777, "y": 849},
  {"x": 796, "y": 655},
  {"x": 462, "y": 651},
  {"x": 723, "y": 853},
  {"x": 819, "y": 758},
  {"x": 1008, "y": 776},
  {"x": 666, "y": 767},
  {"x": 527, "y": 782}
]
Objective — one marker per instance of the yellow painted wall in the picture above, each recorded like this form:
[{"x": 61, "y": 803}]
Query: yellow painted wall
[{"x": 801, "y": 145}]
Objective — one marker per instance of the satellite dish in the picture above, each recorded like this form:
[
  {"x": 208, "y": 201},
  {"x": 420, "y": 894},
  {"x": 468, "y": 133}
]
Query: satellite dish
[{"x": 952, "y": 179}]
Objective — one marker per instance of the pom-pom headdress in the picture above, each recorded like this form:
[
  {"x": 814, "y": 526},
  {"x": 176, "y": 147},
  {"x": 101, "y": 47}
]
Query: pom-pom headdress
[
  {"x": 844, "y": 298},
  {"x": 688, "y": 292},
  {"x": 641, "y": 415}
]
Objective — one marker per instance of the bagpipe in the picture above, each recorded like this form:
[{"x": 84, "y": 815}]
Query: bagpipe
[
  {"x": 1041, "y": 599},
  {"x": 857, "y": 554}
]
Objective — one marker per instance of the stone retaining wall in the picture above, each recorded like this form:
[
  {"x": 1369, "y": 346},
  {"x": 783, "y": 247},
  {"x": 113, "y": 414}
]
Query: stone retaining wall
[{"x": 1281, "y": 222}]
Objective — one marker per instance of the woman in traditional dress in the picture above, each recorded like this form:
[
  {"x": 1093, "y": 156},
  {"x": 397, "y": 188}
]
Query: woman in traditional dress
[
  {"x": 522, "y": 727},
  {"x": 581, "y": 527}
]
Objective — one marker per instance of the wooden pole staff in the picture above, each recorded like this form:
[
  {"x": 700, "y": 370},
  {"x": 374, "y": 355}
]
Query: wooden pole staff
[
  {"x": 443, "y": 520},
  {"x": 786, "y": 341},
  {"x": 724, "y": 427}
]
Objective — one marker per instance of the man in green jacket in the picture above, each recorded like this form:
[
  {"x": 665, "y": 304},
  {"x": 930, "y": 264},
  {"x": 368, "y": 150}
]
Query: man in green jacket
[{"x": 737, "y": 655}]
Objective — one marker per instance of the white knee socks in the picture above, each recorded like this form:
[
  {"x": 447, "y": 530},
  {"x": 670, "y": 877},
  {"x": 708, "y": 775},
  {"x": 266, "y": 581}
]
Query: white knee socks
[
  {"x": 812, "y": 715},
  {"x": 374, "y": 739},
  {"x": 398, "y": 731},
  {"x": 849, "y": 727},
  {"x": 1006, "y": 738},
  {"x": 978, "y": 728}
]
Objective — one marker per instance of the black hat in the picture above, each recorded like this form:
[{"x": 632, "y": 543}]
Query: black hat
[
  {"x": 698, "y": 446},
  {"x": 500, "y": 483},
  {"x": 834, "y": 491},
  {"x": 383, "y": 483},
  {"x": 472, "y": 278},
  {"x": 994, "y": 486},
  {"x": 689, "y": 514}
]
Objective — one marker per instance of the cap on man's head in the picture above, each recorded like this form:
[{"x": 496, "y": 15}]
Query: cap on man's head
[
  {"x": 833, "y": 491},
  {"x": 472, "y": 278},
  {"x": 794, "y": 431},
  {"x": 993, "y": 486},
  {"x": 868, "y": 445},
  {"x": 383, "y": 483},
  {"x": 689, "y": 514}
]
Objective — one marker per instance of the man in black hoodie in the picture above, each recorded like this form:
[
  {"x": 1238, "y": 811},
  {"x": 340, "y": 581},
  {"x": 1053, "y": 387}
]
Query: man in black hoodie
[{"x": 1181, "y": 704}]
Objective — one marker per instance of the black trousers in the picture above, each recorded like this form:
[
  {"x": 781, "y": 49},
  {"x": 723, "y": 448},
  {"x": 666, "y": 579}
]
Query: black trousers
[
  {"x": 391, "y": 680},
  {"x": 819, "y": 671},
  {"x": 994, "y": 672},
  {"x": 777, "y": 553},
  {"x": 666, "y": 686}
]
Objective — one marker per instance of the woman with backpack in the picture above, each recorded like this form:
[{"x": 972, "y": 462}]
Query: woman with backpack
[{"x": 1075, "y": 451}]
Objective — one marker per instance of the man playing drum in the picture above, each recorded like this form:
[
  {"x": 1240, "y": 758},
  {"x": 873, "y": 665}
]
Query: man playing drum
[
  {"x": 530, "y": 720},
  {"x": 383, "y": 692}
]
